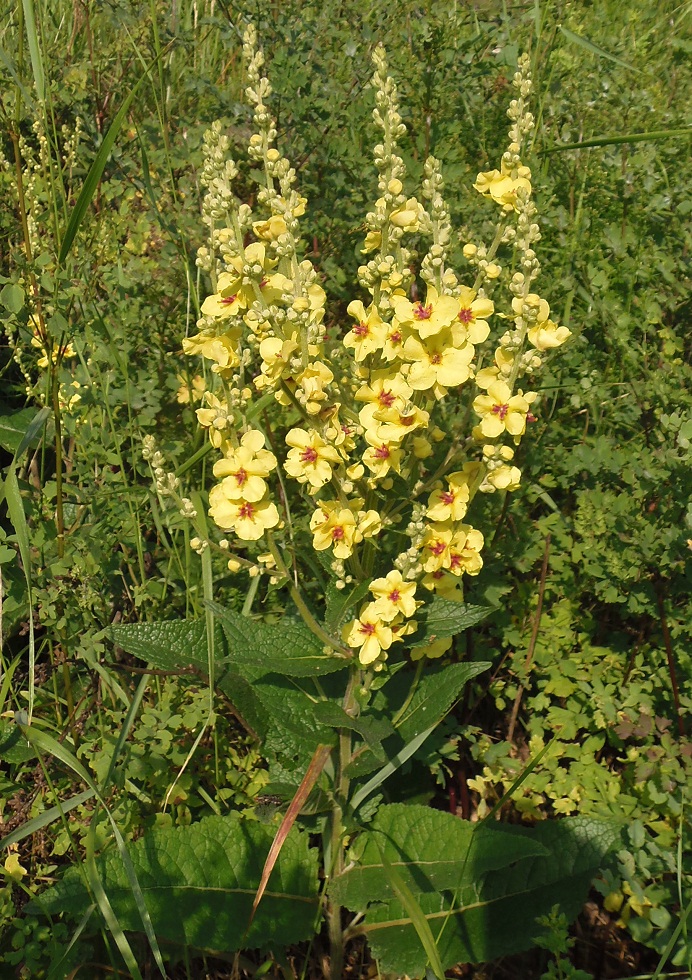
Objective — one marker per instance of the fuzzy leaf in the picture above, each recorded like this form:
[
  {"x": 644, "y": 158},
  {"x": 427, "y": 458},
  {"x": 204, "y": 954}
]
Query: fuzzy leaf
[
  {"x": 339, "y": 601},
  {"x": 444, "y": 618},
  {"x": 436, "y": 693},
  {"x": 181, "y": 644},
  {"x": 480, "y": 886},
  {"x": 289, "y": 649},
  {"x": 198, "y": 883}
]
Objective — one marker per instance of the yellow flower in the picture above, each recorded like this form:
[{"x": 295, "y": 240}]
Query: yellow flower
[
  {"x": 393, "y": 596},
  {"x": 437, "y": 363},
  {"x": 407, "y": 216},
  {"x": 310, "y": 458},
  {"x": 426, "y": 318},
  {"x": 312, "y": 382},
  {"x": 189, "y": 392},
  {"x": 381, "y": 457},
  {"x": 472, "y": 314},
  {"x": 385, "y": 389},
  {"x": 223, "y": 350},
  {"x": 369, "y": 333},
  {"x": 369, "y": 633},
  {"x": 249, "y": 519},
  {"x": 450, "y": 504},
  {"x": 502, "y": 188},
  {"x": 227, "y": 300},
  {"x": 334, "y": 526},
  {"x": 501, "y": 411},
  {"x": 392, "y": 425},
  {"x": 271, "y": 229},
  {"x": 465, "y": 551},
  {"x": 436, "y": 542},
  {"x": 243, "y": 468},
  {"x": 216, "y": 418}
]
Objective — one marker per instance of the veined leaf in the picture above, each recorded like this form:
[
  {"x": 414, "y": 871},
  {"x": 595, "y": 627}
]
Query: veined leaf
[
  {"x": 198, "y": 883},
  {"x": 289, "y": 649},
  {"x": 479, "y": 886},
  {"x": 182, "y": 645},
  {"x": 339, "y": 601},
  {"x": 436, "y": 693},
  {"x": 444, "y": 618}
]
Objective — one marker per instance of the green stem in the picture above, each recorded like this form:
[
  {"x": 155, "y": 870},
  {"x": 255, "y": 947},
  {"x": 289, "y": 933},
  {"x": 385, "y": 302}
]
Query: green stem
[
  {"x": 336, "y": 933},
  {"x": 305, "y": 613}
]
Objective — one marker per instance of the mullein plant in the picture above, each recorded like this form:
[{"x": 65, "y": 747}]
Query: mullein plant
[
  {"x": 367, "y": 418},
  {"x": 361, "y": 447}
]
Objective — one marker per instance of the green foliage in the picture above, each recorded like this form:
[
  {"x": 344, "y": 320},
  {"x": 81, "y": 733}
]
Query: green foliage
[
  {"x": 198, "y": 883},
  {"x": 467, "y": 879},
  {"x": 608, "y": 464}
]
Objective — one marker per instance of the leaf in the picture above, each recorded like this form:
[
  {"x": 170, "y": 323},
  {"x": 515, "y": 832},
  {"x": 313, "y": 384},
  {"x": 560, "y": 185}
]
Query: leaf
[
  {"x": 444, "y": 618},
  {"x": 12, "y": 297},
  {"x": 34, "y": 49},
  {"x": 339, "y": 601},
  {"x": 290, "y": 649},
  {"x": 13, "y": 428},
  {"x": 371, "y": 730},
  {"x": 95, "y": 173},
  {"x": 616, "y": 139},
  {"x": 293, "y": 731},
  {"x": 436, "y": 693},
  {"x": 181, "y": 644},
  {"x": 198, "y": 883},
  {"x": 583, "y": 42},
  {"x": 480, "y": 886}
]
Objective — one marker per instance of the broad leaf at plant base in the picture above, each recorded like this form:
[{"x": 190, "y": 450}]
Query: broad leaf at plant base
[
  {"x": 480, "y": 886},
  {"x": 198, "y": 883}
]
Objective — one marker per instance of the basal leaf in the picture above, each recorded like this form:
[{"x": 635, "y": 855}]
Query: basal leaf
[
  {"x": 198, "y": 883},
  {"x": 437, "y": 691},
  {"x": 480, "y": 886},
  {"x": 431, "y": 850},
  {"x": 444, "y": 618}
]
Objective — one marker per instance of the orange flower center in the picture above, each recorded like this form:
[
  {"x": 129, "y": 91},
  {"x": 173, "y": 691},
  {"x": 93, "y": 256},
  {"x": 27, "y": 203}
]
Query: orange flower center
[
  {"x": 422, "y": 312},
  {"x": 308, "y": 455},
  {"x": 361, "y": 330},
  {"x": 247, "y": 510},
  {"x": 501, "y": 411},
  {"x": 241, "y": 477}
]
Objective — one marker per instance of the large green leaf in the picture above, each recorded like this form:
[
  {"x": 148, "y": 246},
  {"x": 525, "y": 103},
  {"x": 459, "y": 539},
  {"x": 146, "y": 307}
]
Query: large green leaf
[
  {"x": 444, "y": 618},
  {"x": 437, "y": 691},
  {"x": 181, "y": 645},
  {"x": 289, "y": 649},
  {"x": 293, "y": 731},
  {"x": 198, "y": 883},
  {"x": 480, "y": 887}
]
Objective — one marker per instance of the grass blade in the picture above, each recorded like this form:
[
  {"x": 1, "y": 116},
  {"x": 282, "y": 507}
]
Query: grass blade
[
  {"x": 520, "y": 779},
  {"x": 398, "y": 760},
  {"x": 49, "y": 745},
  {"x": 15, "y": 509},
  {"x": 45, "y": 818},
  {"x": 653, "y": 136},
  {"x": 592, "y": 48},
  {"x": 34, "y": 49},
  {"x": 95, "y": 173},
  {"x": 415, "y": 913}
]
